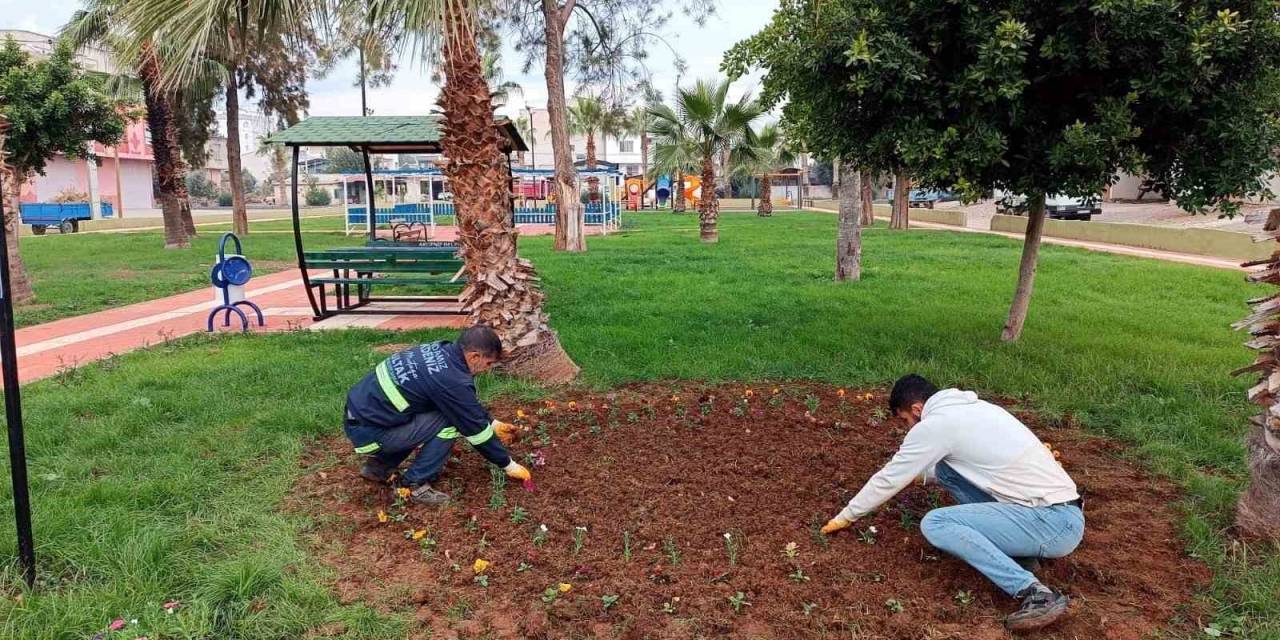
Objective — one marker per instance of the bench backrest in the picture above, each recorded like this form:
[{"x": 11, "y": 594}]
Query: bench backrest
[{"x": 386, "y": 259}]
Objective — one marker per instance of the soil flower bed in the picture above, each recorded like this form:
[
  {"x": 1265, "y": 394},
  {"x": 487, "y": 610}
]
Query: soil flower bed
[{"x": 690, "y": 511}]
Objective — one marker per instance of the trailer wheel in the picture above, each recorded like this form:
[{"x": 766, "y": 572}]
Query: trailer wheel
[
  {"x": 37, "y": 229},
  {"x": 67, "y": 226}
]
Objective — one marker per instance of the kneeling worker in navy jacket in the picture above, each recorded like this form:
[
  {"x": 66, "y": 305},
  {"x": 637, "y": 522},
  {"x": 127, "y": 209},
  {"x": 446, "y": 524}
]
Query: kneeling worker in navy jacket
[{"x": 425, "y": 397}]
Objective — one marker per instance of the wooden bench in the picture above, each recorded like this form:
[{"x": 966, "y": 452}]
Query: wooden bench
[{"x": 382, "y": 264}]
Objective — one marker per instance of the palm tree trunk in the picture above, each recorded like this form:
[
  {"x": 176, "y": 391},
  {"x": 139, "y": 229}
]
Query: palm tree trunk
[
  {"x": 678, "y": 205},
  {"x": 901, "y": 194},
  {"x": 644, "y": 166},
  {"x": 570, "y": 232},
  {"x": 1258, "y": 511},
  {"x": 868, "y": 209},
  {"x": 849, "y": 230},
  {"x": 502, "y": 290},
  {"x": 1026, "y": 269},
  {"x": 169, "y": 166},
  {"x": 239, "y": 215},
  {"x": 708, "y": 204},
  {"x": 766, "y": 196},
  {"x": 19, "y": 282}
]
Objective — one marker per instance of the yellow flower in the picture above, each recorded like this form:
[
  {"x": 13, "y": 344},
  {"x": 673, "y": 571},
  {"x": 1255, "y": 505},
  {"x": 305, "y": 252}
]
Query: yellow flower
[
  {"x": 748, "y": 393},
  {"x": 840, "y": 392},
  {"x": 520, "y": 414},
  {"x": 564, "y": 587},
  {"x": 572, "y": 405},
  {"x": 480, "y": 565},
  {"x": 776, "y": 390},
  {"x": 382, "y": 516},
  {"x": 403, "y": 492},
  {"x": 675, "y": 398},
  {"x": 419, "y": 534}
]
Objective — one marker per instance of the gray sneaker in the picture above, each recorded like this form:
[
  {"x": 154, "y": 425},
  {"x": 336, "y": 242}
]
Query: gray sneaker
[
  {"x": 375, "y": 470},
  {"x": 425, "y": 495},
  {"x": 1040, "y": 608}
]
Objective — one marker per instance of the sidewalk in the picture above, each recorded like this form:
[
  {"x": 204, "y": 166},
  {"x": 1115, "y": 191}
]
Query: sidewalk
[
  {"x": 1139, "y": 252},
  {"x": 46, "y": 349}
]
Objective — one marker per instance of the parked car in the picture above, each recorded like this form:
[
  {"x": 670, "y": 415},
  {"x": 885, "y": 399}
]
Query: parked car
[
  {"x": 924, "y": 197},
  {"x": 1057, "y": 207}
]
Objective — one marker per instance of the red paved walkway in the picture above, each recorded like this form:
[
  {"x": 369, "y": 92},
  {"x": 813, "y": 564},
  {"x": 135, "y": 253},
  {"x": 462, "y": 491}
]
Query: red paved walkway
[{"x": 45, "y": 349}]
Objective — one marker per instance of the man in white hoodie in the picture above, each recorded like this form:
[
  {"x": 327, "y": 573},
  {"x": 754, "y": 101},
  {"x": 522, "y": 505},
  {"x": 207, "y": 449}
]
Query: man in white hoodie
[{"x": 1015, "y": 503}]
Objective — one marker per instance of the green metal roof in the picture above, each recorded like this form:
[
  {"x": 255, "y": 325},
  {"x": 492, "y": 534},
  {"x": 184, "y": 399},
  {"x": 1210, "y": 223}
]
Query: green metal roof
[{"x": 404, "y": 134}]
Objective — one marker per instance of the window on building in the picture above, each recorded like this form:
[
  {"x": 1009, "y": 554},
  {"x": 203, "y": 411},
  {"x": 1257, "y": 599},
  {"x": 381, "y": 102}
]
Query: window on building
[{"x": 626, "y": 146}]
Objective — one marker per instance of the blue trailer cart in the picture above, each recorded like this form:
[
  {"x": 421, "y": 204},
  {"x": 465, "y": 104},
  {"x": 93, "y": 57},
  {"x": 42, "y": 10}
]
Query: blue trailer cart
[{"x": 65, "y": 216}]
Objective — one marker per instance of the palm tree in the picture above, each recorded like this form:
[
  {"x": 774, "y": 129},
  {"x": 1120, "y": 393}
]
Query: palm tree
[
  {"x": 100, "y": 23},
  {"x": 525, "y": 126},
  {"x": 637, "y": 123},
  {"x": 588, "y": 116},
  {"x": 491, "y": 60},
  {"x": 768, "y": 152},
  {"x": 675, "y": 155},
  {"x": 502, "y": 289},
  {"x": 704, "y": 115}
]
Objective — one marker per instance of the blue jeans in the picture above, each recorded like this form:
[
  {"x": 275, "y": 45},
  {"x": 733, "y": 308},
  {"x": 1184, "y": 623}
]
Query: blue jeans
[
  {"x": 395, "y": 444},
  {"x": 989, "y": 535}
]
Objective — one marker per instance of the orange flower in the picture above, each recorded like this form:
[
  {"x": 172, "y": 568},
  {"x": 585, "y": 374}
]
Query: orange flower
[
  {"x": 776, "y": 390},
  {"x": 572, "y": 405},
  {"x": 480, "y": 565},
  {"x": 403, "y": 492},
  {"x": 1057, "y": 455},
  {"x": 520, "y": 414},
  {"x": 840, "y": 392},
  {"x": 675, "y": 398},
  {"x": 748, "y": 393},
  {"x": 382, "y": 516}
]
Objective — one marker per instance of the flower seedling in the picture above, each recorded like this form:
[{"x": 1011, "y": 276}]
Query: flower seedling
[
  {"x": 497, "y": 489},
  {"x": 632, "y": 417},
  {"x": 868, "y": 535},
  {"x": 815, "y": 531},
  {"x": 609, "y": 600},
  {"x": 878, "y": 415},
  {"x": 544, "y": 437},
  {"x": 669, "y": 607},
  {"x": 671, "y": 551},
  {"x": 791, "y": 551},
  {"x": 540, "y": 535},
  {"x": 626, "y": 546},
  {"x": 523, "y": 567},
  {"x": 472, "y": 524},
  {"x": 484, "y": 542},
  {"x": 579, "y": 539},
  {"x": 482, "y": 580},
  {"x": 811, "y": 403},
  {"x": 893, "y": 605},
  {"x": 550, "y": 594},
  {"x": 798, "y": 575},
  {"x": 738, "y": 601},
  {"x": 808, "y": 607},
  {"x": 519, "y": 515},
  {"x": 963, "y": 598},
  {"x": 427, "y": 544},
  {"x": 732, "y": 545}
]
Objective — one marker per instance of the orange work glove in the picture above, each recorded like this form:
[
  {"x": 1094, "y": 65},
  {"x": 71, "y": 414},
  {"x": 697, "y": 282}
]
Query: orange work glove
[
  {"x": 835, "y": 524},
  {"x": 516, "y": 471}
]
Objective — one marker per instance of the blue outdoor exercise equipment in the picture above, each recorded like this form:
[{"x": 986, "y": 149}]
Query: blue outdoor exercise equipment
[{"x": 229, "y": 275}]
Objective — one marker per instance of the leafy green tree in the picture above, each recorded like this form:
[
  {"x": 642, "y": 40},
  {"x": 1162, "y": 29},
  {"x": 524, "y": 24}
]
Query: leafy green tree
[
  {"x": 342, "y": 159},
  {"x": 704, "y": 116},
  {"x": 48, "y": 107},
  {"x": 199, "y": 185},
  {"x": 1032, "y": 98},
  {"x": 250, "y": 181}
]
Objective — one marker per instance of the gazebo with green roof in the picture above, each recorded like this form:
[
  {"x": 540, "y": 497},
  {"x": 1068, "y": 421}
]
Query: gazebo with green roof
[{"x": 366, "y": 135}]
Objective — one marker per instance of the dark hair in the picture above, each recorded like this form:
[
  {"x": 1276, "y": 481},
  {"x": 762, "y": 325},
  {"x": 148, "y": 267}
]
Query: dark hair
[
  {"x": 908, "y": 390},
  {"x": 482, "y": 340}
]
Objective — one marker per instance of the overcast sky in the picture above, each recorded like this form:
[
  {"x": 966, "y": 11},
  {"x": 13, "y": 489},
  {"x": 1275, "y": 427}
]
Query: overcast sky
[{"x": 413, "y": 92}]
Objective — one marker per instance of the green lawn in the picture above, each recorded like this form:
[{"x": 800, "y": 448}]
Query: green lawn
[
  {"x": 87, "y": 272},
  {"x": 162, "y": 474}
]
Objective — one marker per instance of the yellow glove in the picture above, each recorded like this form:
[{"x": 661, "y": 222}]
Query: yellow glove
[
  {"x": 835, "y": 524},
  {"x": 516, "y": 471},
  {"x": 505, "y": 431}
]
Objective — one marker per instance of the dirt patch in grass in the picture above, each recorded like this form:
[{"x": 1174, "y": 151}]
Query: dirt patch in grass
[
  {"x": 391, "y": 347},
  {"x": 658, "y": 474}
]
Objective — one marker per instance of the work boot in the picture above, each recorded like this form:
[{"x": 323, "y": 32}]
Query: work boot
[
  {"x": 424, "y": 494},
  {"x": 1041, "y": 607},
  {"x": 1030, "y": 564},
  {"x": 375, "y": 470}
]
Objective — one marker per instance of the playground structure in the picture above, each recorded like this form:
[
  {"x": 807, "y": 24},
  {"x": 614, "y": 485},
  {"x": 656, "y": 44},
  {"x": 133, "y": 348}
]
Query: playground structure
[
  {"x": 230, "y": 274},
  {"x": 663, "y": 191},
  {"x": 533, "y": 199}
]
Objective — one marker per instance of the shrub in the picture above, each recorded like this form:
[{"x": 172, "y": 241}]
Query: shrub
[
  {"x": 224, "y": 198},
  {"x": 317, "y": 197}
]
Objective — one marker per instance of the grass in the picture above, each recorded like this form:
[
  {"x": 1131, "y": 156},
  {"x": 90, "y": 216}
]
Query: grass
[
  {"x": 161, "y": 474},
  {"x": 87, "y": 272}
]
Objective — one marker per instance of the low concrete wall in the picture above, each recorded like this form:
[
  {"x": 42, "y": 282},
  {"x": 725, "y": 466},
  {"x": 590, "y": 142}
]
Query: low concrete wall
[
  {"x": 1206, "y": 242},
  {"x": 950, "y": 217}
]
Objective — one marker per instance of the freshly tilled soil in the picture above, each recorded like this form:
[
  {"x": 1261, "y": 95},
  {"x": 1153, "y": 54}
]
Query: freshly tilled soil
[{"x": 659, "y": 474}]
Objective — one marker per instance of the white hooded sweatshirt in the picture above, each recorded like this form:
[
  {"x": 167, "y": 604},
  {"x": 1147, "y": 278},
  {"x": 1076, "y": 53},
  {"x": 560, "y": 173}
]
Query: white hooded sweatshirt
[{"x": 982, "y": 442}]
